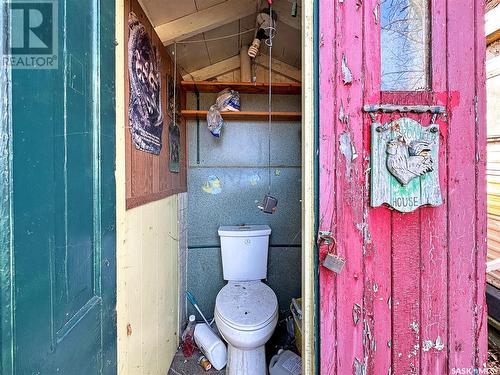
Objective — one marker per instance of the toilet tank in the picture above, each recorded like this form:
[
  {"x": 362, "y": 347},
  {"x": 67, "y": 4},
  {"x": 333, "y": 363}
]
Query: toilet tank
[{"x": 244, "y": 252}]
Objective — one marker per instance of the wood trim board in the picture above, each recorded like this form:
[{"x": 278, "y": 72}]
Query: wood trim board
[{"x": 283, "y": 88}]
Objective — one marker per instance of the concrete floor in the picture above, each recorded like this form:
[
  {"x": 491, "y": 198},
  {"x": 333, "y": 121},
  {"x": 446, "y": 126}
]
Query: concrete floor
[{"x": 189, "y": 366}]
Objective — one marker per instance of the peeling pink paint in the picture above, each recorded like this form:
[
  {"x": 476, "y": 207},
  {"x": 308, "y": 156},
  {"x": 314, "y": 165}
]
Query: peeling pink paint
[{"x": 410, "y": 299}]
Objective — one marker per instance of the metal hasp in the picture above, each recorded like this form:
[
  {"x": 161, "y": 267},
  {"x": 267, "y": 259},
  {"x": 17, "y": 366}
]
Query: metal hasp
[
  {"x": 404, "y": 165},
  {"x": 388, "y": 108}
]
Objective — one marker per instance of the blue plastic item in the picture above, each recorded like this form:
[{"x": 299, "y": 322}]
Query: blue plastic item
[{"x": 191, "y": 299}]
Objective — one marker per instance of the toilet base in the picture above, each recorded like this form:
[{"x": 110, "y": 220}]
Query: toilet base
[{"x": 246, "y": 362}]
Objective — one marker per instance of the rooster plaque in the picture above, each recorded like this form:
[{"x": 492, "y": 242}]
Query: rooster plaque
[{"x": 404, "y": 165}]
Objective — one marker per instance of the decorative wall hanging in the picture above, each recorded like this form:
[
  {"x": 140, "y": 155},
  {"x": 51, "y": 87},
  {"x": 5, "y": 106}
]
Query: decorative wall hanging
[
  {"x": 145, "y": 114},
  {"x": 404, "y": 164},
  {"x": 174, "y": 148}
]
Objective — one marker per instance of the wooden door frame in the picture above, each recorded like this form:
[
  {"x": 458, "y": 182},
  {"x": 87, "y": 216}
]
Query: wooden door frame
[{"x": 6, "y": 186}]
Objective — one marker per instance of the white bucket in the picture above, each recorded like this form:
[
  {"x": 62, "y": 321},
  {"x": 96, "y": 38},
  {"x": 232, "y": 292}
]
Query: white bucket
[
  {"x": 212, "y": 346},
  {"x": 285, "y": 363}
]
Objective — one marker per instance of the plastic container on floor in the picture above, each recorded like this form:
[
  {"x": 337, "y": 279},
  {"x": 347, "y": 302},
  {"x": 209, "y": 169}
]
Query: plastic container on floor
[
  {"x": 211, "y": 345},
  {"x": 285, "y": 363}
]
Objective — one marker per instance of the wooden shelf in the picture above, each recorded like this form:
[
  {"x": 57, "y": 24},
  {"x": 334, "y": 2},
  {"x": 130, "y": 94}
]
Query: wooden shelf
[
  {"x": 245, "y": 116},
  {"x": 243, "y": 87}
]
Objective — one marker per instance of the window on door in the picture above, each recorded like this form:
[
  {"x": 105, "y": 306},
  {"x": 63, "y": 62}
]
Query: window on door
[{"x": 405, "y": 31}]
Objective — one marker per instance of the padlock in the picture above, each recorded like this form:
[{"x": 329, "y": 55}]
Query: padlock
[{"x": 333, "y": 262}]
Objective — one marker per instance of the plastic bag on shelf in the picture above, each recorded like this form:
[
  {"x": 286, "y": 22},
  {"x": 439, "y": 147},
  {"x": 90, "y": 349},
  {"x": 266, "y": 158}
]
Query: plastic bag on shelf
[
  {"x": 227, "y": 100},
  {"x": 214, "y": 121}
]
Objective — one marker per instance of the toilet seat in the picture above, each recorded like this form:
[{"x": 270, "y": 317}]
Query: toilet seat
[{"x": 246, "y": 305}]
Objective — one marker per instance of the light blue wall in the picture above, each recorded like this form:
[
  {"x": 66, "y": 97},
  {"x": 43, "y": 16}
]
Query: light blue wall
[{"x": 239, "y": 160}]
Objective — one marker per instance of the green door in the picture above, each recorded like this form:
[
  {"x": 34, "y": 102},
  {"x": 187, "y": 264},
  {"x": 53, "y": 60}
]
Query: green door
[{"x": 57, "y": 206}]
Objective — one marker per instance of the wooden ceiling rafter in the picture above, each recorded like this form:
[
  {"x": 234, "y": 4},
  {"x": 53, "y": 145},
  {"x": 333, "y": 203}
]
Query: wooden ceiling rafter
[
  {"x": 284, "y": 10},
  {"x": 280, "y": 67},
  {"x": 233, "y": 63},
  {"x": 204, "y": 20},
  {"x": 213, "y": 70}
]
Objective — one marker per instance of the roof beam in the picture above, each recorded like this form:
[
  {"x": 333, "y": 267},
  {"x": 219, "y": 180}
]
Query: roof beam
[
  {"x": 280, "y": 67},
  {"x": 233, "y": 63},
  {"x": 214, "y": 70},
  {"x": 204, "y": 20}
]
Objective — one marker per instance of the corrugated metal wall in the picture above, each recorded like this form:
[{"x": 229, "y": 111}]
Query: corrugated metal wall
[{"x": 238, "y": 160}]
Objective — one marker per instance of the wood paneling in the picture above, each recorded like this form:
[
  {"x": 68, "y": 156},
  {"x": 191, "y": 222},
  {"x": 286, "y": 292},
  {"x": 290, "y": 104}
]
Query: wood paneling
[
  {"x": 147, "y": 253},
  {"x": 147, "y": 176},
  {"x": 148, "y": 293}
]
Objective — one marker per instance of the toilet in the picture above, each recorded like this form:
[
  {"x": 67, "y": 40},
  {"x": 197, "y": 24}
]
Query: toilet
[{"x": 246, "y": 309}]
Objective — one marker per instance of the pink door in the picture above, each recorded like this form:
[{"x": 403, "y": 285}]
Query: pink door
[{"x": 411, "y": 296}]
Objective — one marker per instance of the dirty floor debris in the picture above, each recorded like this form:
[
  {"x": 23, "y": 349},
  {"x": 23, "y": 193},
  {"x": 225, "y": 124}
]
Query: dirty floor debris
[
  {"x": 493, "y": 348},
  {"x": 190, "y": 366}
]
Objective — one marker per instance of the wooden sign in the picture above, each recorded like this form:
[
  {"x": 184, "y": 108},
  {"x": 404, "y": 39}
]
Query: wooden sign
[{"x": 404, "y": 165}]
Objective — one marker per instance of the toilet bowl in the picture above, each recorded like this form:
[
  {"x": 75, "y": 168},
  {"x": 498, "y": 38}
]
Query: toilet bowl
[
  {"x": 246, "y": 309},
  {"x": 246, "y": 314}
]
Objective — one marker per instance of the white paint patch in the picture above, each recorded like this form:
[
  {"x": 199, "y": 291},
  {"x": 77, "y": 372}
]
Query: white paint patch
[
  {"x": 346, "y": 72},
  {"x": 414, "y": 326},
  {"x": 439, "y": 344},
  {"x": 347, "y": 149},
  {"x": 427, "y": 345},
  {"x": 376, "y": 13}
]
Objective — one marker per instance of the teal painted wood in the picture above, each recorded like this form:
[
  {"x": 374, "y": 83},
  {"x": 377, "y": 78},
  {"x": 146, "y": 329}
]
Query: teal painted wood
[
  {"x": 6, "y": 323},
  {"x": 61, "y": 275},
  {"x": 385, "y": 187}
]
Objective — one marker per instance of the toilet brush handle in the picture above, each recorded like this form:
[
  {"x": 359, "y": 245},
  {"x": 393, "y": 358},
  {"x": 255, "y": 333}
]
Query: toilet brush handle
[{"x": 191, "y": 299}]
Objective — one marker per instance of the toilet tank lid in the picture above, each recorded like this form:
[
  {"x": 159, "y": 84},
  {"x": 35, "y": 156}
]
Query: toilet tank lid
[{"x": 244, "y": 230}]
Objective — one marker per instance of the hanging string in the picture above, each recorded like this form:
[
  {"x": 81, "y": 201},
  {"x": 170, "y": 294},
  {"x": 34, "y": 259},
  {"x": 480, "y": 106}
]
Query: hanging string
[
  {"x": 175, "y": 83},
  {"x": 218, "y": 38},
  {"x": 269, "y": 42}
]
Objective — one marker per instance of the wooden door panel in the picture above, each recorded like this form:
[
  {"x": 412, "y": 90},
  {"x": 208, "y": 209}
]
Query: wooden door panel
[
  {"x": 77, "y": 218},
  {"x": 61, "y": 254},
  {"x": 410, "y": 299}
]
